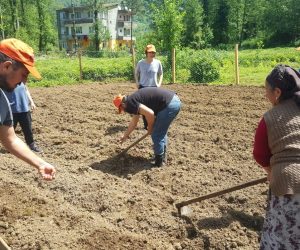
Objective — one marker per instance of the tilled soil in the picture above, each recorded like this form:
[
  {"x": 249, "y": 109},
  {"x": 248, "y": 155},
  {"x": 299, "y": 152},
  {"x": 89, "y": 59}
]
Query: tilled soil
[{"x": 99, "y": 201}]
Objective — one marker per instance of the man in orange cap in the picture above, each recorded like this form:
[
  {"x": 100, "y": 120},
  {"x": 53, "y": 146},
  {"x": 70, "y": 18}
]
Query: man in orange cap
[
  {"x": 159, "y": 107},
  {"x": 16, "y": 62}
]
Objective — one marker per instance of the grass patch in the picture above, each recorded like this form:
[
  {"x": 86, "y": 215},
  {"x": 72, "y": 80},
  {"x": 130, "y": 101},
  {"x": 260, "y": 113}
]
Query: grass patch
[{"x": 254, "y": 66}]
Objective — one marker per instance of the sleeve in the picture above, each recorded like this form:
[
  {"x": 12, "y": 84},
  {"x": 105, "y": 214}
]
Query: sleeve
[
  {"x": 261, "y": 150},
  {"x": 5, "y": 111},
  {"x": 132, "y": 107},
  {"x": 160, "y": 69}
]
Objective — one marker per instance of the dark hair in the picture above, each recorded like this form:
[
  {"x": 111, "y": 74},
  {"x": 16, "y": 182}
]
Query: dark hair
[
  {"x": 287, "y": 80},
  {"x": 15, "y": 64}
]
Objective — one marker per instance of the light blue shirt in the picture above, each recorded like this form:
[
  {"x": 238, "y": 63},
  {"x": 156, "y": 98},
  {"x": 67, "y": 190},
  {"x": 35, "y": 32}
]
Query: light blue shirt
[
  {"x": 147, "y": 72},
  {"x": 18, "y": 99}
]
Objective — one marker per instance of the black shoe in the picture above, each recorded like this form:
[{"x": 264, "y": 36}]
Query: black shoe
[
  {"x": 158, "y": 160},
  {"x": 35, "y": 148}
]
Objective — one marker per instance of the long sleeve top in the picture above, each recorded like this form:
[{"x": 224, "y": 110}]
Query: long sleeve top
[{"x": 261, "y": 150}]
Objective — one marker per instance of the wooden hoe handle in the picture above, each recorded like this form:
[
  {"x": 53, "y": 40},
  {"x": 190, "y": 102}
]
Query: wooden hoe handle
[
  {"x": 131, "y": 145},
  {"x": 225, "y": 191}
]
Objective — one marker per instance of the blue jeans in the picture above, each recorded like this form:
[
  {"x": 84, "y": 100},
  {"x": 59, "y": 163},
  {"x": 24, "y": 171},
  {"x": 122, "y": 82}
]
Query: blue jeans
[{"x": 162, "y": 123}]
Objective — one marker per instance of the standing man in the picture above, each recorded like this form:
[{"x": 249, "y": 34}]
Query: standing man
[
  {"x": 21, "y": 105},
  {"x": 16, "y": 62},
  {"x": 149, "y": 72},
  {"x": 159, "y": 107}
]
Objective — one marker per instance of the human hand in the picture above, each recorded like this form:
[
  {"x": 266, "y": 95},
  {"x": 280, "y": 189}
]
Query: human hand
[
  {"x": 150, "y": 130},
  {"x": 269, "y": 172},
  {"x": 47, "y": 171},
  {"x": 123, "y": 138},
  {"x": 32, "y": 106}
]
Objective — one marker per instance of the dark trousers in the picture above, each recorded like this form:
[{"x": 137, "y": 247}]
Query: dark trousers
[{"x": 24, "y": 119}]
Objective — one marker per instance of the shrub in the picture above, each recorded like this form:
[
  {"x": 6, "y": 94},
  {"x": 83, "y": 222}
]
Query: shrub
[
  {"x": 183, "y": 75},
  {"x": 204, "y": 70}
]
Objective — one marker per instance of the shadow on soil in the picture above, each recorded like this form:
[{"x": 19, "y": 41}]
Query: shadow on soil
[
  {"x": 115, "y": 129},
  {"x": 254, "y": 223},
  {"x": 122, "y": 166}
]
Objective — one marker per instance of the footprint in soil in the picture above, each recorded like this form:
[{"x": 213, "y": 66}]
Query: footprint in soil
[{"x": 122, "y": 166}]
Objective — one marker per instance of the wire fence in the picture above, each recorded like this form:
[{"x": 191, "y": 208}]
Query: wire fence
[{"x": 181, "y": 66}]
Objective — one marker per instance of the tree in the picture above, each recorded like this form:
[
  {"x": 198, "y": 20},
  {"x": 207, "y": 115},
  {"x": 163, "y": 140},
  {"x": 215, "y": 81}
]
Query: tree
[
  {"x": 221, "y": 23},
  {"x": 193, "y": 22},
  {"x": 282, "y": 21},
  {"x": 168, "y": 23}
]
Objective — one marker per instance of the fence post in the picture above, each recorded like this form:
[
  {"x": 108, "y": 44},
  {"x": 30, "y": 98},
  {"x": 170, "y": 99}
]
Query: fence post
[
  {"x": 133, "y": 63},
  {"x": 80, "y": 64},
  {"x": 236, "y": 61},
  {"x": 173, "y": 66}
]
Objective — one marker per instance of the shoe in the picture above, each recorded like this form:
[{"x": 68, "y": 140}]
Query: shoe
[
  {"x": 35, "y": 148},
  {"x": 158, "y": 161}
]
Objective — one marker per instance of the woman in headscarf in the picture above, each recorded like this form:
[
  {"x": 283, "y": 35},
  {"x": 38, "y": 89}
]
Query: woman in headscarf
[{"x": 277, "y": 150}]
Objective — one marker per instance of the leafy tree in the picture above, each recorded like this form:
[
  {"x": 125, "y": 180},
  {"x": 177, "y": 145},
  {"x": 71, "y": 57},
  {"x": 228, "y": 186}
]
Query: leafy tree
[
  {"x": 221, "y": 23},
  {"x": 282, "y": 21},
  {"x": 168, "y": 23},
  {"x": 192, "y": 35}
]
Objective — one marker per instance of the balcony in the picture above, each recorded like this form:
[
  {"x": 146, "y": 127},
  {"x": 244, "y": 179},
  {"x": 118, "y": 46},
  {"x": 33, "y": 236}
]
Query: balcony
[{"x": 78, "y": 21}]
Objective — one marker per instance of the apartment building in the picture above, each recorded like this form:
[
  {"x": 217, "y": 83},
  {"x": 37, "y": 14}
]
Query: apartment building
[{"x": 76, "y": 26}]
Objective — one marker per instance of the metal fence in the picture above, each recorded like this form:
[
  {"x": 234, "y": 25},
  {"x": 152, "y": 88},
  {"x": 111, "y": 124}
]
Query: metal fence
[{"x": 181, "y": 66}]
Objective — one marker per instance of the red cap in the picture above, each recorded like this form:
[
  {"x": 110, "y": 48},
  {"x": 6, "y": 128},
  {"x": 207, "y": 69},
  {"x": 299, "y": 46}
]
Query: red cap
[
  {"x": 21, "y": 52},
  {"x": 118, "y": 102}
]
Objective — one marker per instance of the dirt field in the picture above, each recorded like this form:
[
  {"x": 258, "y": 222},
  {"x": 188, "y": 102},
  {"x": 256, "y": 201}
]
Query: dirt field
[{"x": 99, "y": 202}]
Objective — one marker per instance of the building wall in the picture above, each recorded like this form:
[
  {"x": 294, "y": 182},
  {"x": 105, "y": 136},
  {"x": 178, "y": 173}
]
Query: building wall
[{"x": 117, "y": 22}]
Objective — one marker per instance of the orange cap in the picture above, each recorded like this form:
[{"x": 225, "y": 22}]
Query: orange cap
[
  {"x": 150, "y": 48},
  {"x": 21, "y": 52},
  {"x": 118, "y": 102}
]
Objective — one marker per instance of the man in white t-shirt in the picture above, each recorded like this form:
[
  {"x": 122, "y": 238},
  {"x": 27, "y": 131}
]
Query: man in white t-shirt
[{"x": 149, "y": 72}]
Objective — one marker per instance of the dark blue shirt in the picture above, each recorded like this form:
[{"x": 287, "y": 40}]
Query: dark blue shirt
[{"x": 154, "y": 98}]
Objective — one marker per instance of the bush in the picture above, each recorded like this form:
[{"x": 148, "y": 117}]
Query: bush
[
  {"x": 203, "y": 71},
  {"x": 254, "y": 43},
  {"x": 183, "y": 75},
  {"x": 99, "y": 70}
]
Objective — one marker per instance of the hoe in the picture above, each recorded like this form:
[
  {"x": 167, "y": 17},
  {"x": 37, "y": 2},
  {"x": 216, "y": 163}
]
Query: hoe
[{"x": 184, "y": 210}]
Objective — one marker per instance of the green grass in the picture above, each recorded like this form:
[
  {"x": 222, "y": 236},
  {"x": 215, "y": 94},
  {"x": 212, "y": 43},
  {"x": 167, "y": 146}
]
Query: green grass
[{"x": 254, "y": 66}]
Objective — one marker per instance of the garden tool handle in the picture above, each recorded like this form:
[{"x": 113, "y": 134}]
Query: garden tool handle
[
  {"x": 225, "y": 191},
  {"x": 132, "y": 144}
]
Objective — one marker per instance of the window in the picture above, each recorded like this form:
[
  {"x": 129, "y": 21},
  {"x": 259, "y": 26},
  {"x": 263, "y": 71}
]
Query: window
[
  {"x": 121, "y": 31},
  {"x": 66, "y": 30},
  {"x": 91, "y": 29},
  {"x": 78, "y": 30},
  {"x": 126, "y": 32},
  {"x": 77, "y": 14},
  {"x": 90, "y": 14}
]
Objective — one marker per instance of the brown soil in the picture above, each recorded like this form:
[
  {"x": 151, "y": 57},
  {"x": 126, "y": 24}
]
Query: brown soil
[{"x": 100, "y": 202}]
